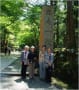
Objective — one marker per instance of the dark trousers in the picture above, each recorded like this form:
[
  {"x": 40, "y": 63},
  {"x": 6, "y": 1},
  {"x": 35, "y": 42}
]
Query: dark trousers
[
  {"x": 23, "y": 70},
  {"x": 5, "y": 51},
  {"x": 48, "y": 73}
]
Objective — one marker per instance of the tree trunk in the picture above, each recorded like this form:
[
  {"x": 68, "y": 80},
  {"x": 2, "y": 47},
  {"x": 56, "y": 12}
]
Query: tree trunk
[
  {"x": 57, "y": 32},
  {"x": 70, "y": 26},
  {"x": 76, "y": 20},
  {"x": 70, "y": 42}
]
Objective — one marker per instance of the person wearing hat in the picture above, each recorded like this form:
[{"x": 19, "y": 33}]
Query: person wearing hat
[
  {"x": 24, "y": 61},
  {"x": 32, "y": 57}
]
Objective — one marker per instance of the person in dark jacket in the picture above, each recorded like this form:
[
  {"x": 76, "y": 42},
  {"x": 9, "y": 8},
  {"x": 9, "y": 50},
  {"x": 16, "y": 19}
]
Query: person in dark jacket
[{"x": 32, "y": 57}]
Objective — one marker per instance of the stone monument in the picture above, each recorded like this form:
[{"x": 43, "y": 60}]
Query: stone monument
[{"x": 46, "y": 27}]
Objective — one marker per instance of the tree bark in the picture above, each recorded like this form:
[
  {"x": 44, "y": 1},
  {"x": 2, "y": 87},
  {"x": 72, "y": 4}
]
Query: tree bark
[
  {"x": 70, "y": 38},
  {"x": 71, "y": 44}
]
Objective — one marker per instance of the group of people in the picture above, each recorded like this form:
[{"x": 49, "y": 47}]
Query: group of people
[{"x": 29, "y": 57}]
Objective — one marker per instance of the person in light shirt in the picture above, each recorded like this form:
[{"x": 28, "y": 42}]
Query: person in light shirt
[
  {"x": 42, "y": 54},
  {"x": 24, "y": 61}
]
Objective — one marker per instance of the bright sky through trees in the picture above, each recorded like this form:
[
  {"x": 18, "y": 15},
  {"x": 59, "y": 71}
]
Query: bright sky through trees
[
  {"x": 42, "y": 2},
  {"x": 35, "y": 1}
]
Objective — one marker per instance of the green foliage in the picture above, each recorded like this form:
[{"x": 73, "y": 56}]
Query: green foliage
[
  {"x": 11, "y": 11},
  {"x": 32, "y": 21},
  {"x": 33, "y": 15},
  {"x": 12, "y": 8},
  {"x": 66, "y": 68},
  {"x": 19, "y": 25},
  {"x": 59, "y": 25}
]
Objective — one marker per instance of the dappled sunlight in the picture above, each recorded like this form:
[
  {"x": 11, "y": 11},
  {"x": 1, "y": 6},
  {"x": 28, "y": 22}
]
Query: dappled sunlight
[
  {"x": 21, "y": 85},
  {"x": 66, "y": 63},
  {"x": 12, "y": 68},
  {"x": 59, "y": 83},
  {"x": 53, "y": 23},
  {"x": 15, "y": 83},
  {"x": 11, "y": 84}
]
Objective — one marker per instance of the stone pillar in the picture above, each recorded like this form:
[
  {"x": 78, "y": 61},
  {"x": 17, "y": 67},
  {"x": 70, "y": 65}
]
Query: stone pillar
[{"x": 46, "y": 27}]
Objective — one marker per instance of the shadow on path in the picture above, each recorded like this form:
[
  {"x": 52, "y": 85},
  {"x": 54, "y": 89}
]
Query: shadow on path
[{"x": 36, "y": 83}]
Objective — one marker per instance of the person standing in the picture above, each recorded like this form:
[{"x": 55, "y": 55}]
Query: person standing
[
  {"x": 9, "y": 50},
  {"x": 42, "y": 54},
  {"x": 49, "y": 64},
  {"x": 5, "y": 50},
  {"x": 24, "y": 61},
  {"x": 32, "y": 57}
]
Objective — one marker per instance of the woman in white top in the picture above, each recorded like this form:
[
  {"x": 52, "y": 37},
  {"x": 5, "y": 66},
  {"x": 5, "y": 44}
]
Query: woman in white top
[{"x": 42, "y": 54}]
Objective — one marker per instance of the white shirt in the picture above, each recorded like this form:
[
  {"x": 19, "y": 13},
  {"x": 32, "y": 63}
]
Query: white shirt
[{"x": 26, "y": 57}]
